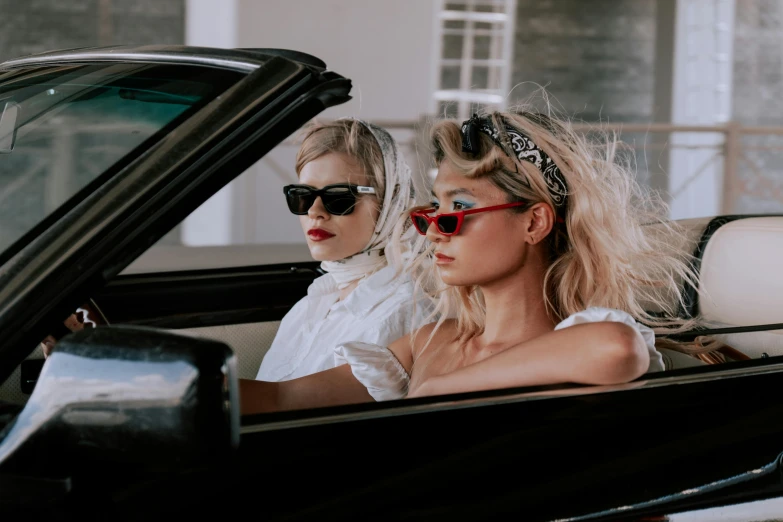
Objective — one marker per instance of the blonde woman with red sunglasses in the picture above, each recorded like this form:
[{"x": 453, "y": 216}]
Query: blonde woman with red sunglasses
[{"x": 543, "y": 273}]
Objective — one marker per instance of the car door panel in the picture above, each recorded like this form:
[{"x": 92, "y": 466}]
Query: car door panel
[
  {"x": 202, "y": 298},
  {"x": 547, "y": 453},
  {"x": 544, "y": 459}
]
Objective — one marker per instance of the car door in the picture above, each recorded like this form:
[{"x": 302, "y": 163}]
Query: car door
[
  {"x": 664, "y": 445},
  {"x": 687, "y": 438}
]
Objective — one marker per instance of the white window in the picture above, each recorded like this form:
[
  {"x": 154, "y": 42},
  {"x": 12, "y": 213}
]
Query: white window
[{"x": 473, "y": 55}]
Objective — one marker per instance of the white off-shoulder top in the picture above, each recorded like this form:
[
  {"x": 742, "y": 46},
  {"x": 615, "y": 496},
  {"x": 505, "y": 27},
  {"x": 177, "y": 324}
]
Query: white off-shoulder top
[
  {"x": 378, "y": 369},
  {"x": 380, "y": 310}
]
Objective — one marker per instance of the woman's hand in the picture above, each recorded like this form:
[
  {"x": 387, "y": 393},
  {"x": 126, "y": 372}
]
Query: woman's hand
[
  {"x": 47, "y": 345},
  {"x": 333, "y": 387},
  {"x": 74, "y": 323}
]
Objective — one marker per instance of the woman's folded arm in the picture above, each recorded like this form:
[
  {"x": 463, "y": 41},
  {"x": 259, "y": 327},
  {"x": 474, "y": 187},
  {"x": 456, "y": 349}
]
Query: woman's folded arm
[
  {"x": 593, "y": 353},
  {"x": 327, "y": 388}
]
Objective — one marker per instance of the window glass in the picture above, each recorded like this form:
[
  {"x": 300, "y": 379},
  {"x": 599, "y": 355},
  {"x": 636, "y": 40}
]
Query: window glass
[
  {"x": 62, "y": 128},
  {"x": 248, "y": 222}
]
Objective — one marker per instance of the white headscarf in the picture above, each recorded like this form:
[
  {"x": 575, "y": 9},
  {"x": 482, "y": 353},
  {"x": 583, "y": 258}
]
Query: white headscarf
[{"x": 398, "y": 198}]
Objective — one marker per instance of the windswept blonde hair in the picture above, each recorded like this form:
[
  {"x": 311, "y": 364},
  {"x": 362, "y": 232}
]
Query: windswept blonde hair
[
  {"x": 347, "y": 136},
  {"x": 615, "y": 247}
]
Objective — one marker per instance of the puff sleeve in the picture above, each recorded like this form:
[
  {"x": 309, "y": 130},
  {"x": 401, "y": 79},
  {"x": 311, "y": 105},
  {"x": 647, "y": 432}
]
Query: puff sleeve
[
  {"x": 376, "y": 368},
  {"x": 597, "y": 314}
]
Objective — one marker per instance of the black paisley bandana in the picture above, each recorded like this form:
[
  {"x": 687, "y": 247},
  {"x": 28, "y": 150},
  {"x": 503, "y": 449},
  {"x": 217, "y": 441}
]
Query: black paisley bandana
[{"x": 524, "y": 149}]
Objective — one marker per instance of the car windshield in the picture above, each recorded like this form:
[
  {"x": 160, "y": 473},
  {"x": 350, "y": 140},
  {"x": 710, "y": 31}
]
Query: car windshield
[{"x": 65, "y": 130}]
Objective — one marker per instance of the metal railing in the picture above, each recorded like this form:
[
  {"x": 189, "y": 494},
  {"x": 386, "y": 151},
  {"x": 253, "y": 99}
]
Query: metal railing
[{"x": 749, "y": 167}]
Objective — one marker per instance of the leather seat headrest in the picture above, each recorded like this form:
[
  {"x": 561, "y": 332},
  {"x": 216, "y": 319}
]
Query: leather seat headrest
[{"x": 740, "y": 276}]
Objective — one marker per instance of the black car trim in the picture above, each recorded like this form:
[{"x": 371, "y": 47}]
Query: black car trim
[
  {"x": 191, "y": 299},
  {"x": 348, "y": 413},
  {"x": 297, "y": 56},
  {"x": 692, "y": 334},
  {"x": 688, "y": 494},
  {"x": 161, "y": 196},
  {"x": 237, "y": 60}
]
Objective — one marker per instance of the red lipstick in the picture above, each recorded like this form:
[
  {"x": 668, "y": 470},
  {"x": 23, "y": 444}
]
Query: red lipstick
[
  {"x": 441, "y": 259},
  {"x": 319, "y": 234}
]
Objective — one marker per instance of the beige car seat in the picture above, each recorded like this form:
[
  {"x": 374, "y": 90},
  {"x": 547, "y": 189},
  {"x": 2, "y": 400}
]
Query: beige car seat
[{"x": 740, "y": 282}]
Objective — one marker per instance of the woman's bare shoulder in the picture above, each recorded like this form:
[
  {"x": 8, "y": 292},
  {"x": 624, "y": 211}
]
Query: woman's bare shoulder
[
  {"x": 408, "y": 348},
  {"x": 432, "y": 334}
]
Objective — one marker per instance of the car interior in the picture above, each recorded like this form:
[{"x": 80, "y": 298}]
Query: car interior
[{"x": 736, "y": 259}]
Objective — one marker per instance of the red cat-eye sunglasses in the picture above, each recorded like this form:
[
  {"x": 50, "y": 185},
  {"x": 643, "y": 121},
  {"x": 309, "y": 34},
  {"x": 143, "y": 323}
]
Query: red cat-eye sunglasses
[{"x": 451, "y": 223}]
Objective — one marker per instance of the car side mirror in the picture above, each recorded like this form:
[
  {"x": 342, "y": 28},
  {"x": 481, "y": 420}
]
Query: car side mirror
[{"x": 130, "y": 397}]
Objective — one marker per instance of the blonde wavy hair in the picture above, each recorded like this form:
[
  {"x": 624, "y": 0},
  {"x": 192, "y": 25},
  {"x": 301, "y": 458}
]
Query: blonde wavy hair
[
  {"x": 615, "y": 247},
  {"x": 347, "y": 136}
]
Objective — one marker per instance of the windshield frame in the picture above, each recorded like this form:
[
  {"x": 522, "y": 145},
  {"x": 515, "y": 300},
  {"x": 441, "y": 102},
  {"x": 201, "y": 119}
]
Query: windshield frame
[
  {"x": 59, "y": 270},
  {"x": 223, "y": 78}
]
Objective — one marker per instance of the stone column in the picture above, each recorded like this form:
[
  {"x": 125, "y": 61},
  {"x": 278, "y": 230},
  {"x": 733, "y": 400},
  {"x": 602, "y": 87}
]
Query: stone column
[
  {"x": 700, "y": 95},
  {"x": 210, "y": 26}
]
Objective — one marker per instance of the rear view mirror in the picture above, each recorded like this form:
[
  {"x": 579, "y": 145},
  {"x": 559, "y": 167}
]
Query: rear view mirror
[
  {"x": 8, "y": 118},
  {"x": 127, "y": 397}
]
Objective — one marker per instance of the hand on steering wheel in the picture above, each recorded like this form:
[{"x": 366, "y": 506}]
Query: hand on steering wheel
[{"x": 88, "y": 315}]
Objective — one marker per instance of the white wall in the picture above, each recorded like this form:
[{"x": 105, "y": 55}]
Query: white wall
[
  {"x": 701, "y": 95},
  {"x": 211, "y": 224},
  {"x": 211, "y": 23},
  {"x": 384, "y": 47}
]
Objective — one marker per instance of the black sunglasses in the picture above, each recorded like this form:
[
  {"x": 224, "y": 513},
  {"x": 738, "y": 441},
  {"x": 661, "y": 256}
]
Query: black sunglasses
[{"x": 338, "y": 199}]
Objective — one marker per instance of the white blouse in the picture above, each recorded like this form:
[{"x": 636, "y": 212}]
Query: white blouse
[
  {"x": 378, "y": 369},
  {"x": 378, "y": 311}
]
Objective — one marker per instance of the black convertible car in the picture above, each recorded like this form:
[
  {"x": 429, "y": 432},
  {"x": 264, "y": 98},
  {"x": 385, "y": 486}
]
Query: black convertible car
[{"x": 137, "y": 418}]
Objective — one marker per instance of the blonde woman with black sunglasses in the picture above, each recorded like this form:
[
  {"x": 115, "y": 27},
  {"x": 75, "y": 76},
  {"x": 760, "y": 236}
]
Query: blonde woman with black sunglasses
[{"x": 353, "y": 187}]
